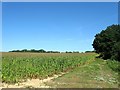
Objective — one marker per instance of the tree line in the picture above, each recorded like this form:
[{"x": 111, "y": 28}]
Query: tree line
[
  {"x": 43, "y": 51},
  {"x": 34, "y": 50}
]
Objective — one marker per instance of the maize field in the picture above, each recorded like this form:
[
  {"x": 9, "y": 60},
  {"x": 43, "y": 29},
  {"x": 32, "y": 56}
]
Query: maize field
[{"x": 21, "y": 66}]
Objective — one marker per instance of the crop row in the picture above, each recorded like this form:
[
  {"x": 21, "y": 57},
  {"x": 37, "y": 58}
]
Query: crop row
[{"x": 21, "y": 66}]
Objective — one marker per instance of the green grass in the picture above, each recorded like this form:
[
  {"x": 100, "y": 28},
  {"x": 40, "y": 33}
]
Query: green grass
[
  {"x": 17, "y": 67},
  {"x": 97, "y": 74}
]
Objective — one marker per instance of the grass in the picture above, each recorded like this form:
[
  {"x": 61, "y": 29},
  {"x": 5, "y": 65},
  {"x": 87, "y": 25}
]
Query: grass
[{"x": 97, "y": 74}]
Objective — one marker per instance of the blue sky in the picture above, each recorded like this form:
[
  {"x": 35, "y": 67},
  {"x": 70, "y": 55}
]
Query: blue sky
[{"x": 55, "y": 26}]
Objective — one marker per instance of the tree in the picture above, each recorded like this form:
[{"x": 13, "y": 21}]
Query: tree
[
  {"x": 89, "y": 51},
  {"x": 41, "y": 51},
  {"x": 75, "y": 51},
  {"x": 107, "y": 43},
  {"x": 24, "y": 50},
  {"x": 32, "y": 50}
]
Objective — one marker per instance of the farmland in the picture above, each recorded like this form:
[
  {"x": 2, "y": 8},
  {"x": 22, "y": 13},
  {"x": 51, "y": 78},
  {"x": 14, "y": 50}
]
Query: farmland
[{"x": 18, "y": 67}]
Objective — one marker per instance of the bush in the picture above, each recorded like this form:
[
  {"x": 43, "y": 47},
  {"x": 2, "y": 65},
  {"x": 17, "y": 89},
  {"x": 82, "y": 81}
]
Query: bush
[{"x": 114, "y": 65}]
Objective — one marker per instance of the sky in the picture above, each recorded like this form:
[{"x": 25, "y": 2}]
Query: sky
[
  {"x": 60, "y": 0},
  {"x": 60, "y": 26}
]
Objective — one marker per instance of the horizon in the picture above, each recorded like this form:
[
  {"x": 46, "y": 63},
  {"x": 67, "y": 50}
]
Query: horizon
[
  {"x": 55, "y": 26},
  {"x": 46, "y": 50}
]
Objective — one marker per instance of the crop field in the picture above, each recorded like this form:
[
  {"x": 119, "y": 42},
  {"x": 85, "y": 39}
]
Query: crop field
[{"x": 18, "y": 67}]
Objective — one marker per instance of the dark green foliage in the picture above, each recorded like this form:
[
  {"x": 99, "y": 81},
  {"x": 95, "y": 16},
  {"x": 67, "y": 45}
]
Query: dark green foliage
[
  {"x": 107, "y": 43},
  {"x": 89, "y": 51},
  {"x": 75, "y": 51},
  {"x": 42, "y": 51},
  {"x": 68, "y": 52},
  {"x": 33, "y": 50}
]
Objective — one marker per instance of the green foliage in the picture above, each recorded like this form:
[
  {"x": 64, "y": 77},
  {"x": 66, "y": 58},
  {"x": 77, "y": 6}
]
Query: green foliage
[
  {"x": 18, "y": 66},
  {"x": 33, "y": 50},
  {"x": 98, "y": 73},
  {"x": 114, "y": 65},
  {"x": 107, "y": 43},
  {"x": 43, "y": 51},
  {"x": 89, "y": 51}
]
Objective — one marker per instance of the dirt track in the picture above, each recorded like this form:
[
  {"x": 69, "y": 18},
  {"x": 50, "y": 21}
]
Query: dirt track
[{"x": 33, "y": 83}]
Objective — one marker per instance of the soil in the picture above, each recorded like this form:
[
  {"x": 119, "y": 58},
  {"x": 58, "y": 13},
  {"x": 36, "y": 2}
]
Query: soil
[{"x": 31, "y": 83}]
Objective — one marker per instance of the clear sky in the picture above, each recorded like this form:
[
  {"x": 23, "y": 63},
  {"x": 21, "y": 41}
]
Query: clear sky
[{"x": 55, "y": 26}]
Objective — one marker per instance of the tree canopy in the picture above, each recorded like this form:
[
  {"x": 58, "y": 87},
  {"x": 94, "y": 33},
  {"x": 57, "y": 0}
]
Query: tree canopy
[{"x": 107, "y": 43}]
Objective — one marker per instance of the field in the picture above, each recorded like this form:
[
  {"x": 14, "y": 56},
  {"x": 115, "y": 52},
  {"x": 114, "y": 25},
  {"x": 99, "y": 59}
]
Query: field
[{"x": 82, "y": 69}]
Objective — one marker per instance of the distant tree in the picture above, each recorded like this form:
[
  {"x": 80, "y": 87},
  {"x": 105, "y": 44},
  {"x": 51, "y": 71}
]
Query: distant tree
[
  {"x": 41, "y": 51},
  {"x": 24, "y": 50},
  {"x": 89, "y": 51},
  {"x": 68, "y": 52},
  {"x": 53, "y": 52},
  {"x": 32, "y": 50},
  {"x": 56, "y": 52},
  {"x": 18, "y": 51},
  {"x": 75, "y": 51},
  {"x": 107, "y": 43},
  {"x": 13, "y": 51}
]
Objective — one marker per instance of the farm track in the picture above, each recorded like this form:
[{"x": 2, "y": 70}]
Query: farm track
[
  {"x": 93, "y": 74},
  {"x": 32, "y": 83}
]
